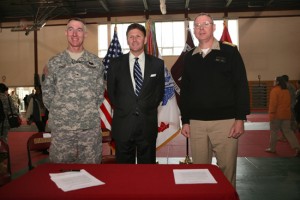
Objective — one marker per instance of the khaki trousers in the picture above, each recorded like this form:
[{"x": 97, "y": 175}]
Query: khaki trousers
[
  {"x": 211, "y": 137},
  {"x": 285, "y": 126}
]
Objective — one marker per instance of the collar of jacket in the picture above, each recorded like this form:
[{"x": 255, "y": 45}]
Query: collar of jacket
[{"x": 215, "y": 46}]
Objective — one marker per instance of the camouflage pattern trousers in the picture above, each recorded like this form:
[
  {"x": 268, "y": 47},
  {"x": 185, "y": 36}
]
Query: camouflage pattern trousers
[{"x": 78, "y": 146}]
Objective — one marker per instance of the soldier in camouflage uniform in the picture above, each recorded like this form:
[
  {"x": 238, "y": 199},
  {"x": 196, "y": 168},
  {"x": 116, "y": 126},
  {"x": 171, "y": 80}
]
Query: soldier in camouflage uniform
[
  {"x": 4, "y": 97},
  {"x": 73, "y": 92}
]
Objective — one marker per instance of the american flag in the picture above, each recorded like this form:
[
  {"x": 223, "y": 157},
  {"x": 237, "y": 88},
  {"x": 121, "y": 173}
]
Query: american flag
[{"x": 114, "y": 50}]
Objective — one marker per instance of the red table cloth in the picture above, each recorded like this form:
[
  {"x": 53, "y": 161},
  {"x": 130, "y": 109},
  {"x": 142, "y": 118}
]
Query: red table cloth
[{"x": 122, "y": 181}]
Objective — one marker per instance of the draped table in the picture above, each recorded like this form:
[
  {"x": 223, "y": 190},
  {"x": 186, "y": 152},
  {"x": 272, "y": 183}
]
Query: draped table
[{"x": 122, "y": 181}]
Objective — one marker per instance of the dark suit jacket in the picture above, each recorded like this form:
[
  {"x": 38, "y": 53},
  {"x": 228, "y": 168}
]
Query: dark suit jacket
[{"x": 127, "y": 105}]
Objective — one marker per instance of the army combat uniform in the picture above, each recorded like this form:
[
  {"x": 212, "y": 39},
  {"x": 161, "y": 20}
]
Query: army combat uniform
[{"x": 73, "y": 92}]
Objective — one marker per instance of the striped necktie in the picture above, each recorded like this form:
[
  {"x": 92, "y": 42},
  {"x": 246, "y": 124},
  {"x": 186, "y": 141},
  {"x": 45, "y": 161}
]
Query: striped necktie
[{"x": 137, "y": 74}]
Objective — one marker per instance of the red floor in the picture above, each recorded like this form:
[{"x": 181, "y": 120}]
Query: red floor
[{"x": 251, "y": 144}]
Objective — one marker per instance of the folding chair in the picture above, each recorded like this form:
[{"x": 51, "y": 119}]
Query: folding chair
[
  {"x": 106, "y": 138},
  {"x": 5, "y": 165},
  {"x": 37, "y": 142}
]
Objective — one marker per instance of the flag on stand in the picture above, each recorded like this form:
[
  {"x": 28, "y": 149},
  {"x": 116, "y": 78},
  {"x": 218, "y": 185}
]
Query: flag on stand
[
  {"x": 114, "y": 50},
  {"x": 168, "y": 112},
  {"x": 225, "y": 35},
  {"x": 177, "y": 68}
]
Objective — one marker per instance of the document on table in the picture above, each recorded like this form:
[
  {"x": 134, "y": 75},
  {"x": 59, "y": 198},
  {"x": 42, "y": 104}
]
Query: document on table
[
  {"x": 74, "y": 180},
  {"x": 46, "y": 135},
  {"x": 193, "y": 176}
]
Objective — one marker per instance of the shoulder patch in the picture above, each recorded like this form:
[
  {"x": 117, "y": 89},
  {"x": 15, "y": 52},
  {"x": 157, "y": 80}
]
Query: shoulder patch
[{"x": 228, "y": 43}]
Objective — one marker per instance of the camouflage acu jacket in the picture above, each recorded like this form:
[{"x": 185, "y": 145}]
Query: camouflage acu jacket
[{"x": 73, "y": 91}]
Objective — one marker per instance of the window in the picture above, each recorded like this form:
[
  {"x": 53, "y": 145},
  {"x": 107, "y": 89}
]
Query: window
[
  {"x": 170, "y": 36},
  {"x": 232, "y": 26},
  {"x": 103, "y": 37},
  {"x": 102, "y": 40},
  {"x": 170, "y": 41}
]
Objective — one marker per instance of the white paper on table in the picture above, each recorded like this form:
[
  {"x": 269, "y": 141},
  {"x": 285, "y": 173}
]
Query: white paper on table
[
  {"x": 193, "y": 176},
  {"x": 46, "y": 135},
  {"x": 68, "y": 181}
]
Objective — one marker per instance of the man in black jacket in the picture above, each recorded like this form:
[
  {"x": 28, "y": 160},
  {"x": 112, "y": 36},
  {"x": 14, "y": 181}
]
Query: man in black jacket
[
  {"x": 135, "y": 99},
  {"x": 214, "y": 98}
]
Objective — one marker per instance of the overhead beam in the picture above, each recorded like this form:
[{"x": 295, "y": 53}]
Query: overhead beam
[
  {"x": 228, "y": 3},
  {"x": 269, "y": 2},
  {"x": 255, "y": 4},
  {"x": 145, "y": 5},
  {"x": 104, "y": 5},
  {"x": 187, "y": 4}
]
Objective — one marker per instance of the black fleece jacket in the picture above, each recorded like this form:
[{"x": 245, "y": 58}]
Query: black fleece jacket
[{"x": 214, "y": 87}]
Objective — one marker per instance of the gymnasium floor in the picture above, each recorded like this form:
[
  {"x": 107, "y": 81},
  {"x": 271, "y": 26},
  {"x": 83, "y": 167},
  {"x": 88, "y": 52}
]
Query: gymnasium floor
[{"x": 260, "y": 175}]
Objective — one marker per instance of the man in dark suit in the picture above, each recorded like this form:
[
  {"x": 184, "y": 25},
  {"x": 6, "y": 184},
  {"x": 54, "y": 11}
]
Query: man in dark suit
[{"x": 135, "y": 99}]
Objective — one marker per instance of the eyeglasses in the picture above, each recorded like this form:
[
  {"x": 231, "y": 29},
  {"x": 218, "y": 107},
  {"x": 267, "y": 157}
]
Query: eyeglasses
[
  {"x": 202, "y": 25},
  {"x": 71, "y": 30}
]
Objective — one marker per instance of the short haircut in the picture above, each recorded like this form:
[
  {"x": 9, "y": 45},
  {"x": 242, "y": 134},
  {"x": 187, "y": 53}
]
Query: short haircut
[
  {"x": 136, "y": 26},
  {"x": 79, "y": 20},
  {"x": 76, "y": 19},
  {"x": 204, "y": 14}
]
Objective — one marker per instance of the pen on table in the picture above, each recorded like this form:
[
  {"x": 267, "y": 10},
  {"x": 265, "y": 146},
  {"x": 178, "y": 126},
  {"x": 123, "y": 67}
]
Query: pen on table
[{"x": 69, "y": 170}]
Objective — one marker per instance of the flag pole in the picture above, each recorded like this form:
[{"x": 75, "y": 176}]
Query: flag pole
[
  {"x": 187, "y": 159},
  {"x": 176, "y": 72}
]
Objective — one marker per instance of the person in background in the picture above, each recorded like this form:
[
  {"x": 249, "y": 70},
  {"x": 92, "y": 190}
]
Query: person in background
[
  {"x": 73, "y": 92},
  {"x": 25, "y": 101},
  {"x": 280, "y": 116},
  {"x": 30, "y": 96},
  {"x": 4, "y": 97},
  {"x": 292, "y": 91},
  {"x": 37, "y": 112},
  {"x": 297, "y": 106},
  {"x": 135, "y": 99},
  {"x": 214, "y": 99},
  {"x": 15, "y": 99}
]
